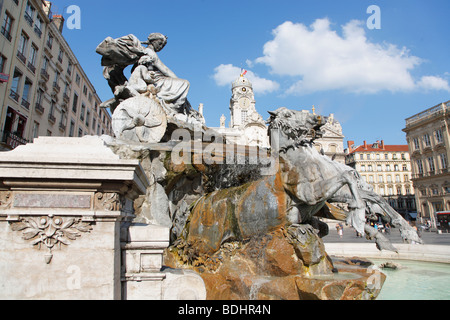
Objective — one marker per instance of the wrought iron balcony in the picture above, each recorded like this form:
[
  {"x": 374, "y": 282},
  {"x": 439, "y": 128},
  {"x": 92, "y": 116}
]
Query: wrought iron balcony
[
  {"x": 25, "y": 104},
  {"x": 45, "y": 75},
  {"x": 39, "y": 108},
  {"x": 21, "y": 57},
  {"x": 6, "y": 33},
  {"x": 13, "y": 140},
  {"x": 14, "y": 95}
]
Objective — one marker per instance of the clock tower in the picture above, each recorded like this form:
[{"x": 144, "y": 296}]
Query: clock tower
[
  {"x": 247, "y": 127},
  {"x": 242, "y": 102}
]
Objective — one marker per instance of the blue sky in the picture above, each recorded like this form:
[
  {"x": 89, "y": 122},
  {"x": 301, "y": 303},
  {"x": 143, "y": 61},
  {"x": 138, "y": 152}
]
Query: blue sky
[{"x": 297, "y": 53}]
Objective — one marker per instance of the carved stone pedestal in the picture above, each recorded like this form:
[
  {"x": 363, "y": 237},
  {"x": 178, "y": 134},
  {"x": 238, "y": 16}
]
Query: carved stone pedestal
[
  {"x": 143, "y": 274},
  {"x": 66, "y": 226}
]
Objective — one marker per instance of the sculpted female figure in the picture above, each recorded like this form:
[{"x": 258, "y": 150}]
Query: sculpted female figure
[
  {"x": 122, "y": 52},
  {"x": 171, "y": 90}
]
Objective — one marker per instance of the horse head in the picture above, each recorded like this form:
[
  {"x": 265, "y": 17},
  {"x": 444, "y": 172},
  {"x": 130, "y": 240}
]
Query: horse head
[{"x": 296, "y": 128}]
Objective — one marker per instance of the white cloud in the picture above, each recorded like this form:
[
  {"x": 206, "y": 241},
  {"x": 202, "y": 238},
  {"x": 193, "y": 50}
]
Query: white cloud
[
  {"x": 225, "y": 74},
  {"x": 320, "y": 59},
  {"x": 433, "y": 83}
]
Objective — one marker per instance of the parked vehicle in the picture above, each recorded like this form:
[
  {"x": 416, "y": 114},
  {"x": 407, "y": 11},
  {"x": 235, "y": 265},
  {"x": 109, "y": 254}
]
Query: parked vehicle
[{"x": 443, "y": 220}]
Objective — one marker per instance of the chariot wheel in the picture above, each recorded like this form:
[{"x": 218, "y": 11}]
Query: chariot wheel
[{"x": 139, "y": 119}]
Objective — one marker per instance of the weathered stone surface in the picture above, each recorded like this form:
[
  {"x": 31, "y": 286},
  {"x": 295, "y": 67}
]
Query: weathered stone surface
[{"x": 271, "y": 267}]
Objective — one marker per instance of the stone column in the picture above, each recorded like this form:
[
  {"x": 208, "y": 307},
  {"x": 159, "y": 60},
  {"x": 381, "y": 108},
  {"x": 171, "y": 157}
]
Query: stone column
[{"x": 63, "y": 202}]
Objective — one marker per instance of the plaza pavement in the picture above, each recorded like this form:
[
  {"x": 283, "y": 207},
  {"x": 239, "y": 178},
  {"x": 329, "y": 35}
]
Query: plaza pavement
[
  {"x": 349, "y": 236},
  {"x": 436, "y": 246}
]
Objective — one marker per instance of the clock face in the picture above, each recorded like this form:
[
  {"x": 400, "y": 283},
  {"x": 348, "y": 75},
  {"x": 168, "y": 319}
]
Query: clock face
[{"x": 244, "y": 103}]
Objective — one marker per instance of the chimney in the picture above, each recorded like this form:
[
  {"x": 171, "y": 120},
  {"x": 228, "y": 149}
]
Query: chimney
[
  {"x": 382, "y": 144},
  {"x": 58, "y": 20},
  {"x": 365, "y": 144},
  {"x": 350, "y": 145}
]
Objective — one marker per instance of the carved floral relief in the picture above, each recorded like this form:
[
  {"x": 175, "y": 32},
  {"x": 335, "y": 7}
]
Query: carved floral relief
[{"x": 50, "y": 231}]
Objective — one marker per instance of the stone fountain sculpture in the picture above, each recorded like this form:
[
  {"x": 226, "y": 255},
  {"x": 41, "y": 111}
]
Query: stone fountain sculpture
[
  {"x": 153, "y": 93},
  {"x": 249, "y": 235}
]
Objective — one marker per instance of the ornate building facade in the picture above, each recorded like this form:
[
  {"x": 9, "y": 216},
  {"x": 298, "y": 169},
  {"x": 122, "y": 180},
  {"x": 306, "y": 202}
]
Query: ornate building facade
[
  {"x": 247, "y": 126},
  {"x": 388, "y": 169},
  {"x": 428, "y": 139},
  {"x": 43, "y": 89}
]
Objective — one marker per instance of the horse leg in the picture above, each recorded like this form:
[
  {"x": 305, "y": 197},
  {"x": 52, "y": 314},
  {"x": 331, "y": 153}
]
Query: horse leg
[
  {"x": 357, "y": 207},
  {"x": 381, "y": 241}
]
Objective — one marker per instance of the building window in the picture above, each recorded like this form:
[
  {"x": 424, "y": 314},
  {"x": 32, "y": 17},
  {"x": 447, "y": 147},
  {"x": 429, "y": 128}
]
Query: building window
[
  {"x": 420, "y": 166},
  {"x": 38, "y": 27},
  {"x": 26, "y": 93},
  {"x": 380, "y": 179},
  {"x": 388, "y": 167},
  {"x": 416, "y": 144},
  {"x": 35, "y": 129},
  {"x": 62, "y": 123},
  {"x": 15, "y": 86},
  {"x": 88, "y": 115},
  {"x": 368, "y": 156},
  {"x": 7, "y": 26},
  {"x": 371, "y": 179},
  {"x": 379, "y": 167},
  {"x": 378, "y": 156},
  {"x": 29, "y": 13},
  {"x": 399, "y": 191},
  {"x": 50, "y": 41},
  {"x": 363, "y": 168},
  {"x": 389, "y": 178},
  {"x": 75, "y": 103},
  {"x": 403, "y": 156},
  {"x": 21, "y": 50},
  {"x": 72, "y": 128},
  {"x": 439, "y": 137},
  {"x": 405, "y": 167},
  {"x": 32, "y": 57},
  {"x": 45, "y": 64},
  {"x": 83, "y": 108},
  {"x": 39, "y": 97},
  {"x": 361, "y": 156},
  {"x": 2, "y": 63},
  {"x": 431, "y": 164},
  {"x": 426, "y": 139},
  {"x": 444, "y": 162},
  {"x": 391, "y": 191},
  {"x": 57, "y": 76},
  {"x": 80, "y": 132},
  {"x": 69, "y": 68},
  {"x": 386, "y": 156},
  {"x": 397, "y": 178},
  {"x": 370, "y": 167},
  {"x": 60, "y": 55},
  {"x": 382, "y": 191},
  {"x": 77, "y": 79}
]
